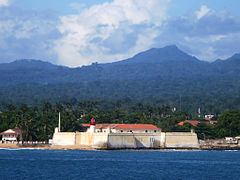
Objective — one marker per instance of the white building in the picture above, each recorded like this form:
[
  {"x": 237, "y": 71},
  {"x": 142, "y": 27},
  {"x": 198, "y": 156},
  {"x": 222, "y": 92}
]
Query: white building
[
  {"x": 124, "y": 128},
  {"x": 11, "y": 135},
  {"x": 208, "y": 116}
]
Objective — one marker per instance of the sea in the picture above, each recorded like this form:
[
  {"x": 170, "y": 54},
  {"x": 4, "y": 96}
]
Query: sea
[{"x": 114, "y": 165}]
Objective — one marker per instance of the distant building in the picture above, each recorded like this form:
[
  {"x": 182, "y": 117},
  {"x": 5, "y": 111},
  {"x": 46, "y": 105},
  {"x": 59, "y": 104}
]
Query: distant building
[
  {"x": 208, "y": 117},
  {"x": 194, "y": 123},
  {"x": 124, "y": 128},
  {"x": 12, "y": 135}
]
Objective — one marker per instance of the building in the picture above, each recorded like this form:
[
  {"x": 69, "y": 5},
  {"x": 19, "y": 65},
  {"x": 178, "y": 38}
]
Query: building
[
  {"x": 208, "y": 117},
  {"x": 122, "y": 136},
  {"x": 124, "y": 128},
  {"x": 194, "y": 123},
  {"x": 12, "y": 135}
]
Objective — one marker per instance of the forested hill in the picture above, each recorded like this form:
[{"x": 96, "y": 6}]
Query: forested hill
[{"x": 158, "y": 75}]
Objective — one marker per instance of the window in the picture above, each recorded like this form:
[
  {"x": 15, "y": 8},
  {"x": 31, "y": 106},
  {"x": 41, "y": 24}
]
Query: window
[
  {"x": 130, "y": 131},
  {"x": 146, "y": 131},
  {"x": 121, "y": 131},
  {"x": 155, "y": 130}
]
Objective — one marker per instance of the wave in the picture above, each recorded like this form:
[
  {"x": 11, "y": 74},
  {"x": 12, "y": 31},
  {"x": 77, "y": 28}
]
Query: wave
[{"x": 19, "y": 149}]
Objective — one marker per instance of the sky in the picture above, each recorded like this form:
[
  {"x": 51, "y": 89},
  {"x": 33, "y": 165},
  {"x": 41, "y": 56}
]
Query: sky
[{"x": 80, "y": 32}]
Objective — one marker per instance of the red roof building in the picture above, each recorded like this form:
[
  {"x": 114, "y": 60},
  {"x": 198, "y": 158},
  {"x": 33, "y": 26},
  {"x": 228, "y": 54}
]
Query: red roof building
[
  {"x": 11, "y": 134},
  {"x": 120, "y": 128},
  {"x": 194, "y": 123}
]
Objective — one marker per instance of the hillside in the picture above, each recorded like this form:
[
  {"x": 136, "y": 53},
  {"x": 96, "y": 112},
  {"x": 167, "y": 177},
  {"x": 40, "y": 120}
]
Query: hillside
[{"x": 159, "y": 75}]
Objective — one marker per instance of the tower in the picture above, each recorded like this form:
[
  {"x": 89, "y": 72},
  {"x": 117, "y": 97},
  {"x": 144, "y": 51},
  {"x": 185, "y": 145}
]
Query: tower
[
  {"x": 59, "y": 122},
  {"x": 199, "y": 112},
  {"x": 92, "y": 125}
]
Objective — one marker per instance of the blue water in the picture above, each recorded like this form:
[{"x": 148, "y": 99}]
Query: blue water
[{"x": 78, "y": 164}]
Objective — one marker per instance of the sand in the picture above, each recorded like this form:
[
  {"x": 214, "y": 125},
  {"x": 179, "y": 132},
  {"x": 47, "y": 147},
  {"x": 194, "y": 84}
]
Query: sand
[{"x": 67, "y": 147}]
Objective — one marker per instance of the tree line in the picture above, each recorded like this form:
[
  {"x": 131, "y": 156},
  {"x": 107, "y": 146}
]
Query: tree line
[{"x": 38, "y": 123}]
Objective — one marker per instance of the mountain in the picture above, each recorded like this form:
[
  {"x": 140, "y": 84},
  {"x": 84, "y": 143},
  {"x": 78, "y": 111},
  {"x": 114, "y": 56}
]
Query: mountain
[
  {"x": 31, "y": 71},
  {"x": 27, "y": 64},
  {"x": 164, "y": 62},
  {"x": 229, "y": 66},
  {"x": 158, "y": 74},
  {"x": 156, "y": 55}
]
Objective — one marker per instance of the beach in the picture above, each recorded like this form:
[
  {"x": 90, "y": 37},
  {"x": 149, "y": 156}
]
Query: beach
[{"x": 68, "y": 147}]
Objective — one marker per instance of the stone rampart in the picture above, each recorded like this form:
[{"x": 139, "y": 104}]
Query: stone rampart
[
  {"x": 64, "y": 138},
  {"x": 134, "y": 140},
  {"x": 98, "y": 140},
  {"x": 128, "y": 140},
  {"x": 181, "y": 140}
]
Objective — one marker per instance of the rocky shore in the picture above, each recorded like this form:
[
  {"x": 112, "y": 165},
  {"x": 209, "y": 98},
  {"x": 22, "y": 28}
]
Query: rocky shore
[{"x": 219, "y": 144}]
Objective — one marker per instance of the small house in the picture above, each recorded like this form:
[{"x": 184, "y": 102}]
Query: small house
[{"x": 12, "y": 135}]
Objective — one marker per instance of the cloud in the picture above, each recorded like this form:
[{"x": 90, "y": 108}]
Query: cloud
[
  {"x": 113, "y": 31},
  {"x": 109, "y": 31},
  {"x": 4, "y": 3},
  {"x": 27, "y": 34},
  {"x": 120, "y": 29},
  {"x": 77, "y": 6},
  {"x": 202, "y": 12},
  {"x": 208, "y": 36}
]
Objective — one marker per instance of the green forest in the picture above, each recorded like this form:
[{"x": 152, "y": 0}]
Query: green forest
[
  {"x": 38, "y": 123},
  {"x": 141, "y": 89}
]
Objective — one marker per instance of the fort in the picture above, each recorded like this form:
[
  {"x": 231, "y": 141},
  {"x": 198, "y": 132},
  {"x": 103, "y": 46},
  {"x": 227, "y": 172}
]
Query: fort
[{"x": 126, "y": 136}]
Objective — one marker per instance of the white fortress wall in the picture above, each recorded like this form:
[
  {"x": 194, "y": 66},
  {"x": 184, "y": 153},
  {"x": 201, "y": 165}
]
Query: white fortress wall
[
  {"x": 149, "y": 140},
  {"x": 134, "y": 140},
  {"x": 98, "y": 140},
  {"x": 121, "y": 140},
  {"x": 128, "y": 140},
  {"x": 84, "y": 138},
  {"x": 64, "y": 138},
  {"x": 181, "y": 140},
  {"x": 162, "y": 139}
]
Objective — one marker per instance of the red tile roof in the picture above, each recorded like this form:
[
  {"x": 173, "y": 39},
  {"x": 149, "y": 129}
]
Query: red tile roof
[
  {"x": 12, "y": 131},
  {"x": 194, "y": 123},
  {"x": 123, "y": 126},
  {"x": 135, "y": 126}
]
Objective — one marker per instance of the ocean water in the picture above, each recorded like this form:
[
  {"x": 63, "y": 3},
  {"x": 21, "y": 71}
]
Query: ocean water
[{"x": 79, "y": 164}]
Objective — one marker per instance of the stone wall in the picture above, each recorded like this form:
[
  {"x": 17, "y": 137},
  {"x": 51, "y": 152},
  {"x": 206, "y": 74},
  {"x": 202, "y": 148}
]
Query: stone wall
[
  {"x": 123, "y": 140},
  {"x": 181, "y": 140},
  {"x": 64, "y": 138},
  {"x": 134, "y": 140},
  {"x": 98, "y": 140},
  {"x": 128, "y": 140}
]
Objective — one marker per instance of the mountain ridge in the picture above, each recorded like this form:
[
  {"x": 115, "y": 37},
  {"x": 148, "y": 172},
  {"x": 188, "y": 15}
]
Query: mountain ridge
[
  {"x": 152, "y": 75},
  {"x": 168, "y": 62},
  {"x": 168, "y": 50}
]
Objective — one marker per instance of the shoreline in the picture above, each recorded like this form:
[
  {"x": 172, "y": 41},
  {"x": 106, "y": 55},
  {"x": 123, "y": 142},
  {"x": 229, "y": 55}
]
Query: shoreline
[
  {"x": 82, "y": 147},
  {"x": 50, "y": 147}
]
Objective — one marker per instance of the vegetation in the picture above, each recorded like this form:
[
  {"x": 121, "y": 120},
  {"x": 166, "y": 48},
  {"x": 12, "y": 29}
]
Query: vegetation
[
  {"x": 157, "y": 76},
  {"x": 229, "y": 124},
  {"x": 142, "y": 89},
  {"x": 38, "y": 123}
]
